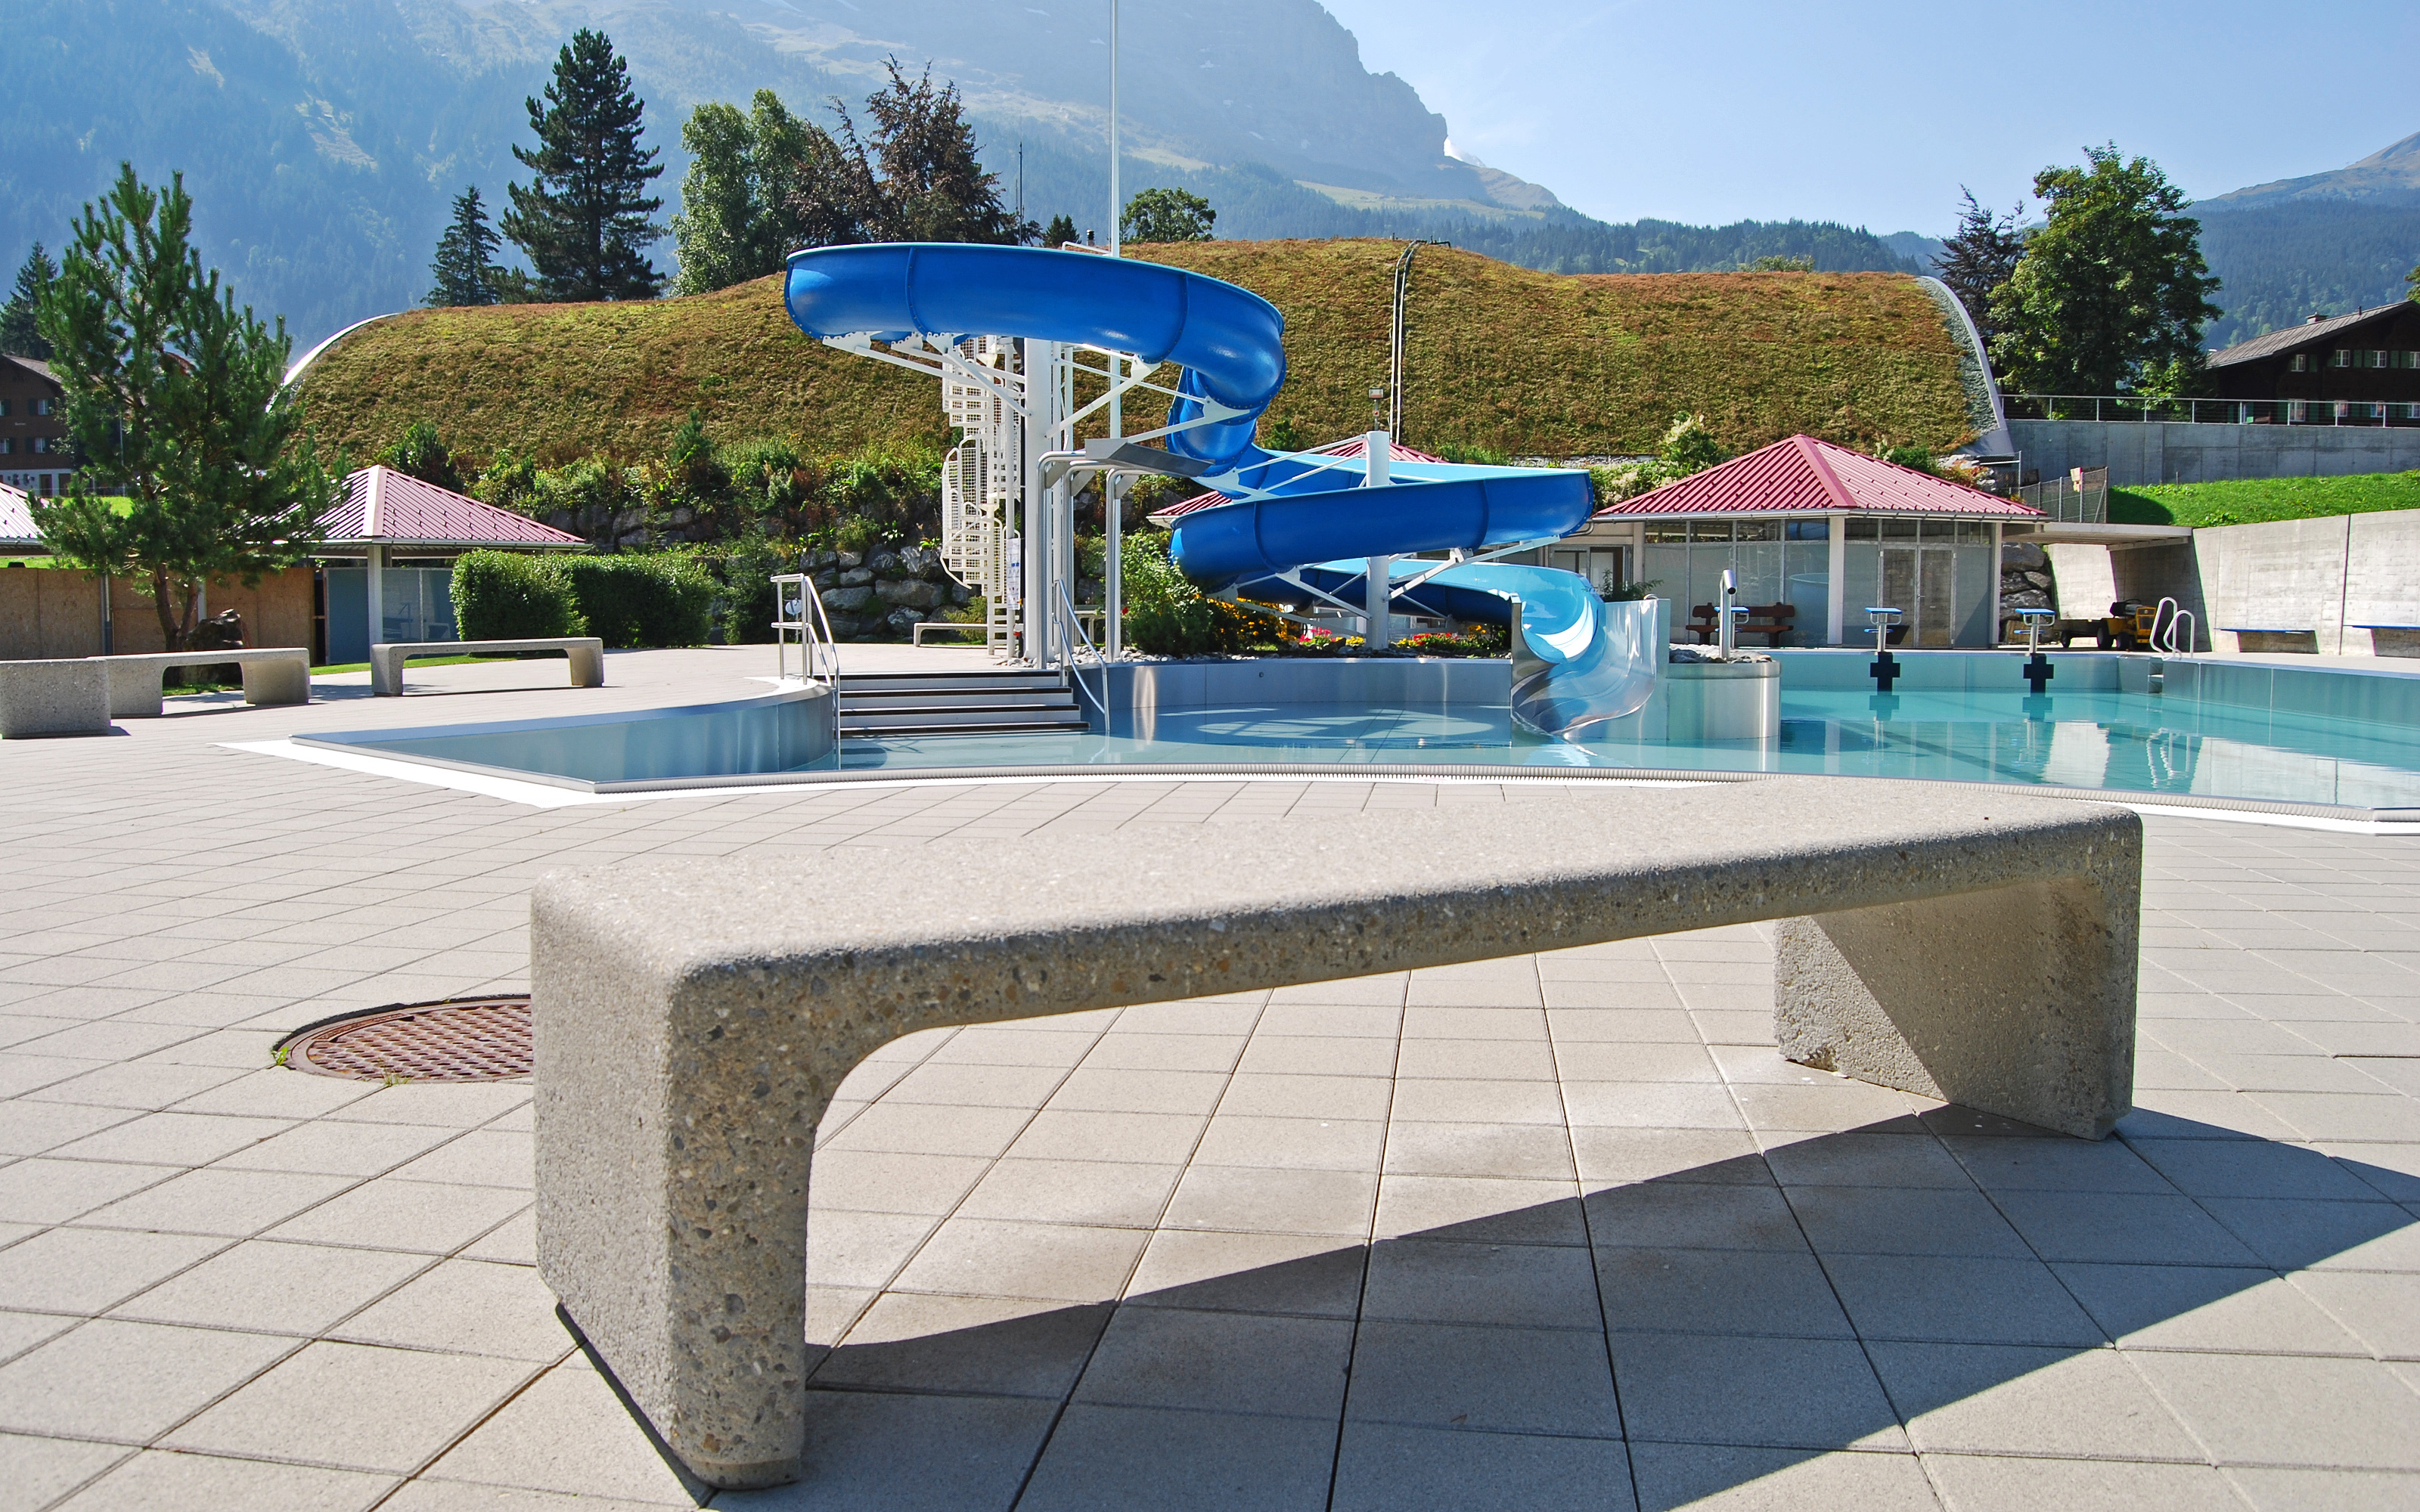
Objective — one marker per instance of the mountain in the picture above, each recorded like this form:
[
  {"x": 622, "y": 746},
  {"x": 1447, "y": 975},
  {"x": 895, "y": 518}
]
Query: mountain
[
  {"x": 1917, "y": 248},
  {"x": 323, "y": 140},
  {"x": 2326, "y": 243}
]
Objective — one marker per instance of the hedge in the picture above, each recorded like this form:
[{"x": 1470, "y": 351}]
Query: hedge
[
  {"x": 508, "y": 595},
  {"x": 631, "y": 600}
]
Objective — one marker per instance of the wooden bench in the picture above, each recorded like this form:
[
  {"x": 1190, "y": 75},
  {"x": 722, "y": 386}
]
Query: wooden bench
[
  {"x": 271, "y": 674},
  {"x": 692, "y": 1022},
  {"x": 1771, "y": 621},
  {"x": 586, "y": 652}
]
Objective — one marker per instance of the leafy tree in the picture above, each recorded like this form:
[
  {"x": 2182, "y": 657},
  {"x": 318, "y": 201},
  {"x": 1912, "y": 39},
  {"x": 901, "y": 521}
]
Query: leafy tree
[
  {"x": 465, "y": 270},
  {"x": 420, "y": 452},
  {"x": 1780, "y": 263},
  {"x": 914, "y": 177},
  {"x": 1166, "y": 215},
  {"x": 583, "y": 220},
  {"x": 1979, "y": 257},
  {"x": 19, "y": 336},
  {"x": 2112, "y": 285},
  {"x": 2411, "y": 277},
  {"x": 1061, "y": 231},
  {"x": 758, "y": 188},
  {"x": 176, "y": 401}
]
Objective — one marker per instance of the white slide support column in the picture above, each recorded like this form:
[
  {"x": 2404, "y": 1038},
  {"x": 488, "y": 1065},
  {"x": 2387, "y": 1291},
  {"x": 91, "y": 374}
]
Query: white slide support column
[{"x": 1378, "y": 577}]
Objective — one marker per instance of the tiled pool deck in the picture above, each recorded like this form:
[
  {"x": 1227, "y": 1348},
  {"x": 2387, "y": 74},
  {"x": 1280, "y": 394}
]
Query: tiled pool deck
[{"x": 1555, "y": 1231}]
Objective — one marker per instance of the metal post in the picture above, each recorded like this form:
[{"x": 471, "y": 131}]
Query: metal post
[
  {"x": 377, "y": 594},
  {"x": 1378, "y": 577},
  {"x": 1836, "y": 567},
  {"x": 1117, "y": 208},
  {"x": 1113, "y": 512}
]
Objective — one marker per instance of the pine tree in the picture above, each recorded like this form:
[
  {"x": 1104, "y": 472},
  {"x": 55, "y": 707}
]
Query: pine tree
[
  {"x": 19, "y": 336},
  {"x": 465, "y": 268},
  {"x": 583, "y": 220},
  {"x": 1060, "y": 232},
  {"x": 1979, "y": 257},
  {"x": 196, "y": 463}
]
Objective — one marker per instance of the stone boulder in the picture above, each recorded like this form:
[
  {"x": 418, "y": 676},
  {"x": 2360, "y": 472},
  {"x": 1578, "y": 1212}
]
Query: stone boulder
[
  {"x": 910, "y": 592},
  {"x": 2021, "y": 556},
  {"x": 847, "y": 601},
  {"x": 905, "y": 620}
]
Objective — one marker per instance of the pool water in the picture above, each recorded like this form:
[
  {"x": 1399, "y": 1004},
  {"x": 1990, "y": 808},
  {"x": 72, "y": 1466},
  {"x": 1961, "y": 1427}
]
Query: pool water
[{"x": 2135, "y": 742}]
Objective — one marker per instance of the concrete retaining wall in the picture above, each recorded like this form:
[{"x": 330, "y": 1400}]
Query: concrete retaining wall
[
  {"x": 2167, "y": 452},
  {"x": 2329, "y": 576},
  {"x": 1140, "y": 690},
  {"x": 51, "y": 611}
]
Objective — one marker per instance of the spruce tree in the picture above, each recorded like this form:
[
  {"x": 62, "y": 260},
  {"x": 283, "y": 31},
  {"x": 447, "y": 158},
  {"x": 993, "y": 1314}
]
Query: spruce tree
[
  {"x": 18, "y": 336},
  {"x": 583, "y": 220},
  {"x": 465, "y": 268},
  {"x": 918, "y": 172},
  {"x": 1979, "y": 257},
  {"x": 1061, "y": 231}
]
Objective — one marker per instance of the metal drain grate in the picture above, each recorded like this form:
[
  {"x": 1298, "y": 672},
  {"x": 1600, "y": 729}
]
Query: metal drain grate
[{"x": 461, "y": 1039}]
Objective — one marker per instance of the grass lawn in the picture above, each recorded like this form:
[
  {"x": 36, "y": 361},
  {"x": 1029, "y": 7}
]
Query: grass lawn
[
  {"x": 418, "y": 662},
  {"x": 2252, "y": 501}
]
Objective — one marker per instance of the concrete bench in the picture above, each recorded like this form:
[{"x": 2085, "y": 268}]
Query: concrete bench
[
  {"x": 693, "y": 1018},
  {"x": 587, "y": 653},
  {"x": 63, "y": 696},
  {"x": 272, "y": 674}
]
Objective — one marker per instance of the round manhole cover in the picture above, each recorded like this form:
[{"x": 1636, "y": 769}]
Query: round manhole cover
[{"x": 461, "y": 1039}]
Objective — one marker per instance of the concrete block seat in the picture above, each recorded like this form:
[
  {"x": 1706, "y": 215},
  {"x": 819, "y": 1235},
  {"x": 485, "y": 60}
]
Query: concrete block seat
[
  {"x": 586, "y": 652},
  {"x": 61, "y": 695},
  {"x": 693, "y": 1019},
  {"x": 271, "y": 674}
]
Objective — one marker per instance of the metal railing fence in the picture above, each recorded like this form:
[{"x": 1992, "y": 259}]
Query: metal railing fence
[{"x": 2137, "y": 408}]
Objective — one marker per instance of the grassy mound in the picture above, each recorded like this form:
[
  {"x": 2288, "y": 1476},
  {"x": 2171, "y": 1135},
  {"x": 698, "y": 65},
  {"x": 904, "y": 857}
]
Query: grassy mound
[
  {"x": 1501, "y": 358},
  {"x": 2252, "y": 501}
]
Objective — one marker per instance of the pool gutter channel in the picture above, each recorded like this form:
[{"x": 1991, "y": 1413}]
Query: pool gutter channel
[{"x": 1370, "y": 772}]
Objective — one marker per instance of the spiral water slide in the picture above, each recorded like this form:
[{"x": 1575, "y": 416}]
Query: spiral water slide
[{"x": 1578, "y": 661}]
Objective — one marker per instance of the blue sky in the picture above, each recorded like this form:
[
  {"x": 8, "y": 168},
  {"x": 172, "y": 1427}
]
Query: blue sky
[{"x": 1874, "y": 113}]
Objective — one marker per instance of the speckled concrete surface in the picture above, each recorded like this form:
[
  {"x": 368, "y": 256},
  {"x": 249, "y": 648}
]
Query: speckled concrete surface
[{"x": 1558, "y": 1230}]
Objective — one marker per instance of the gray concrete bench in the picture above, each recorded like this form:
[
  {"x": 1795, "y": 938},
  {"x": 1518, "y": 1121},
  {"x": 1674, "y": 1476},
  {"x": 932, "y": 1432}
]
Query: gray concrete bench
[
  {"x": 272, "y": 674},
  {"x": 61, "y": 695},
  {"x": 693, "y": 1018},
  {"x": 587, "y": 653}
]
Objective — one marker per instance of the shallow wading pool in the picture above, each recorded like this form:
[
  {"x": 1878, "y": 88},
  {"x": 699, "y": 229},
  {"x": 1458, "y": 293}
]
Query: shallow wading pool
[{"x": 2212, "y": 731}]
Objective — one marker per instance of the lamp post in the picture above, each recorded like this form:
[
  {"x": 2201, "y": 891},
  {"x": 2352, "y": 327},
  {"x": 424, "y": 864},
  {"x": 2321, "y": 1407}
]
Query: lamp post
[{"x": 1117, "y": 209}]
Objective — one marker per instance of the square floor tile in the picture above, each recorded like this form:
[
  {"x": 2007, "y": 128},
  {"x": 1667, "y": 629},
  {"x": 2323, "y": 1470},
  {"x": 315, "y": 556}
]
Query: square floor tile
[
  {"x": 1502, "y": 1379},
  {"x": 1381, "y": 1467},
  {"x": 270, "y": 1287},
  {"x": 1537, "y": 1286},
  {"x": 1293, "y": 1273},
  {"x": 467, "y": 1307},
  {"x": 1805, "y": 1393},
  {"x": 355, "y": 1407},
  {"x": 1737, "y": 1478},
  {"x": 1178, "y": 1461},
  {"x": 2278, "y": 1410},
  {"x": 1059, "y": 1262},
  {"x": 205, "y": 1481},
  {"x": 90, "y": 1270},
  {"x": 989, "y": 1346},
  {"x": 569, "y": 1434},
  {"x": 1959, "y": 1299},
  {"x": 1998, "y": 1400},
  {"x": 1260, "y": 1199},
  {"x": 1719, "y": 1291},
  {"x": 1221, "y": 1361},
  {"x": 126, "y": 1382}
]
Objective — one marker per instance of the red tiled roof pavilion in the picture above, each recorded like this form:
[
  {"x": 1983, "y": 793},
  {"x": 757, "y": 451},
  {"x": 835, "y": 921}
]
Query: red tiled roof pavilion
[
  {"x": 1803, "y": 475},
  {"x": 383, "y": 507}
]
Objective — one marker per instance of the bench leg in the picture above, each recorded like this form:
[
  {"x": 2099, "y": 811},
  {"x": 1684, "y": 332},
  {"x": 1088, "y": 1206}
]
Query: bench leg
[
  {"x": 588, "y": 666},
  {"x": 2016, "y": 1000},
  {"x": 285, "y": 681},
  {"x": 675, "y": 1124},
  {"x": 136, "y": 687},
  {"x": 386, "y": 675}
]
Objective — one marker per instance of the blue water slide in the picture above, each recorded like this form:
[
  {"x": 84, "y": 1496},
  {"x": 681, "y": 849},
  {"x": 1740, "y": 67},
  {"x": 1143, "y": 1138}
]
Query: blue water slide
[{"x": 1578, "y": 661}]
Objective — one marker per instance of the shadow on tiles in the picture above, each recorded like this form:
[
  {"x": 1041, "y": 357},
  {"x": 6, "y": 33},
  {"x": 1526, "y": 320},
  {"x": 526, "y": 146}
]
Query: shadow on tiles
[{"x": 1653, "y": 1343}]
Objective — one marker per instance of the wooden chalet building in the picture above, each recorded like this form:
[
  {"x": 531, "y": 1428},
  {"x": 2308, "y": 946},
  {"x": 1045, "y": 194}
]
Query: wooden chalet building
[
  {"x": 34, "y": 451},
  {"x": 2356, "y": 369}
]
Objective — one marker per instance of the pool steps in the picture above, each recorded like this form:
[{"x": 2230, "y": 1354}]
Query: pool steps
[{"x": 893, "y": 704}]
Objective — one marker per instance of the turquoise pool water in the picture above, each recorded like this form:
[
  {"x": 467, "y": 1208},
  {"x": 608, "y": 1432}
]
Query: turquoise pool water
[{"x": 2131, "y": 741}]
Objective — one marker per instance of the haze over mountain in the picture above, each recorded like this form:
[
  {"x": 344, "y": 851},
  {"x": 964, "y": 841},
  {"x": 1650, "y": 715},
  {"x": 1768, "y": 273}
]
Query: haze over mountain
[
  {"x": 323, "y": 139},
  {"x": 2326, "y": 243}
]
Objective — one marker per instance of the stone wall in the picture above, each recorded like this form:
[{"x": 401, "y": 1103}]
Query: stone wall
[
  {"x": 2167, "y": 452},
  {"x": 882, "y": 594},
  {"x": 51, "y": 611}
]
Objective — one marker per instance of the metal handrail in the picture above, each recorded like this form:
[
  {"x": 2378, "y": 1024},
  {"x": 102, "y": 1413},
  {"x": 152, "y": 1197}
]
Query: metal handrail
[
  {"x": 1076, "y": 633},
  {"x": 818, "y": 648},
  {"x": 2136, "y": 407},
  {"x": 2177, "y": 614}
]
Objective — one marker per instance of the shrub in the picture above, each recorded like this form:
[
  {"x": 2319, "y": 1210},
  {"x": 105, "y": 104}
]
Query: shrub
[
  {"x": 505, "y": 596},
  {"x": 1167, "y": 617},
  {"x": 743, "y": 599},
  {"x": 509, "y": 482},
  {"x": 420, "y": 452},
  {"x": 663, "y": 599}
]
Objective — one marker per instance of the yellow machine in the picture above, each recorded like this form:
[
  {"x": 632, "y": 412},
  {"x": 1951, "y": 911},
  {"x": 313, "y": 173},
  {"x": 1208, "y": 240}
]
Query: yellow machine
[{"x": 2127, "y": 626}]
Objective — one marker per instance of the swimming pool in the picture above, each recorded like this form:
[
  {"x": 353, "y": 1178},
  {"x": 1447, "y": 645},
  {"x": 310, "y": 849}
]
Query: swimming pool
[{"x": 2216, "y": 731}]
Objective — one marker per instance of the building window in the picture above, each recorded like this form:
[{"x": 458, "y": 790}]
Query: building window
[
  {"x": 4, "y": 408},
  {"x": 2301, "y": 363},
  {"x": 42, "y": 406},
  {"x": 7, "y": 445},
  {"x": 2405, "y": 359},
  {"x": 1808, "y": 530},
  {"x": 44, "y": 444}
]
